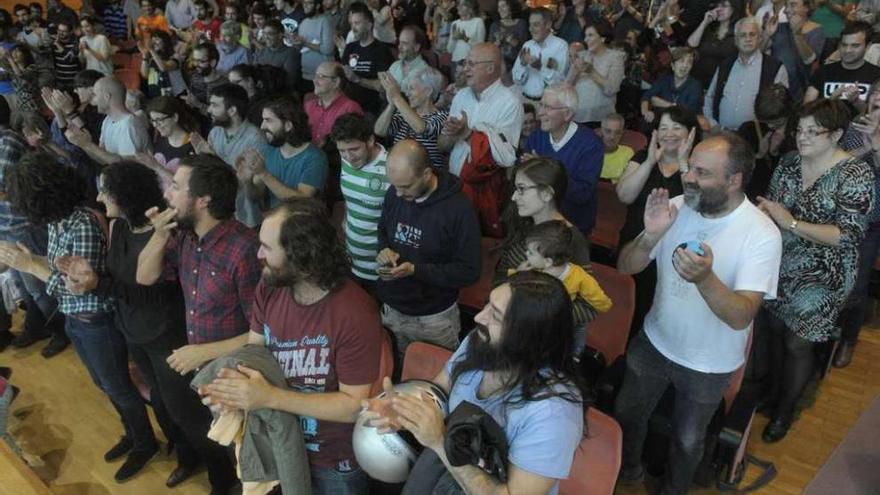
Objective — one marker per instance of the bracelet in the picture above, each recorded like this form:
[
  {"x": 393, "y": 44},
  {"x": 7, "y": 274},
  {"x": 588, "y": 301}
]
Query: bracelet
[{"x": 792, "y": 227}]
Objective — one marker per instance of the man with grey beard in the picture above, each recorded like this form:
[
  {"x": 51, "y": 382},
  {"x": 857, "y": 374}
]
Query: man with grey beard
[{"x": 717, "y": 259}]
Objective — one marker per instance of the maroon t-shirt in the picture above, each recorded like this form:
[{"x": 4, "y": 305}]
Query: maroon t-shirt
[{"x": 337, "y": 339}]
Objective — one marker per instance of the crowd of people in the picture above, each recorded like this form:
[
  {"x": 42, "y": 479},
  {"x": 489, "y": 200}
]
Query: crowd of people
[{"x": 188, "y": 179}]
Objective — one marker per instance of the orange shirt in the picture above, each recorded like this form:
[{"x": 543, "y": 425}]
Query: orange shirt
[{"x": 146, "y": 25}]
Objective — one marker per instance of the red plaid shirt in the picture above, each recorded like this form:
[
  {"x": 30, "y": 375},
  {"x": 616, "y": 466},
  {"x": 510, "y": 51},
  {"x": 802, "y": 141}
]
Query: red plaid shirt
[{"x": 218, "y": 275}]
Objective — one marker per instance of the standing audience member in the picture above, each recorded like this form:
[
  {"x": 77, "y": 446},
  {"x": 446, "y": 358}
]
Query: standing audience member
[
  {"x": 720, "y": 286},
  {"x": 414, "y": 116},
  {"x": 510, "y": 31},
  {"x": 305, "y": 305},
  {"x": 714, "y": 40},
  {"x": 596, "y": 75},
  {"x": 329, "y": 103},
  {"x": 677, "y": 88},
  {"x": 314, "y": 39},
  {"x": 49, "y": 193},
  {"x": 796, "y": 41},
  {"x": 150, "y": 21},
  {"x": 543, "y": 60},
  {"x": 363, "y": 59},
  {"x": 180, "y": 14},
  {"x": 429, "y": 248},
  {"x": 272, "y": 51},
  {"x": 65, "y": 53},
  {"x": 578, "y": 149},
  {"x": 410, "y": 43},
  {"x": 364, "y": 182},
  {"x": 160, "y": 67},
  {"x": 851, "y": 77},
  {"x": 819, "y": 197},
  {"x": 94, "y": 48},
  {"x": 205, "y": 76},
  {"x": 465, "y": 32}
]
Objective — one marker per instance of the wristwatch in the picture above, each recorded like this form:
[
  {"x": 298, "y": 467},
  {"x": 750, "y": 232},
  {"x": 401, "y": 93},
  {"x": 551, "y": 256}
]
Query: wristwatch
[{"x": 793, "y": 225}]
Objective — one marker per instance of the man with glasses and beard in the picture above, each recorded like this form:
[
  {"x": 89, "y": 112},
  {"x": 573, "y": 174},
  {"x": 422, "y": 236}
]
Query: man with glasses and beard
[
  {"x": 324, "y": 331},
  {"x": 717, "y": 259},
  {"x": 204, "y": 77},
  {"x": 517, "y": 366},
  {"x": 289, "y": 166}
]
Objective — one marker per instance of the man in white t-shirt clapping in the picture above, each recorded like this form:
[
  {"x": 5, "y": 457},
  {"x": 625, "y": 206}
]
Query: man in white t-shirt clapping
[{"x": 717, "y": 259}]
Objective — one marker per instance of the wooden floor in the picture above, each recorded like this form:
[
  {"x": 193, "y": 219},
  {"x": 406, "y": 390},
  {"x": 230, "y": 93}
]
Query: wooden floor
[{"x": 64, "y": 424}]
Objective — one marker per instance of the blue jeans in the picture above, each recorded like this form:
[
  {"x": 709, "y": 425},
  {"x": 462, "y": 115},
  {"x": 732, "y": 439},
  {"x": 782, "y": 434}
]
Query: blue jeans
[
  {"x": 697, "y": 396},
  {"x": 333, "y": 482},
  {"x": 853, "y": 314},
  {"x": 102, "y": 349}
]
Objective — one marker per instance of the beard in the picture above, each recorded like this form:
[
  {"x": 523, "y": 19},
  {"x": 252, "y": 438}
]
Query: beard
[
  {"x": 186, "y": 221},
  {"x": 275, "y": 140},
  {"x": 278, "y": 277},
  {"x": 222, "y": 120},
  {"x": 482, "y": 350},
  {"x": 707, "y": 201}
]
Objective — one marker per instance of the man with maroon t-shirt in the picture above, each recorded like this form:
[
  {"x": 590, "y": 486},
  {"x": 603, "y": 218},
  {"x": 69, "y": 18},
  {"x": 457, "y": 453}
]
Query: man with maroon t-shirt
[{"x": 325, "y": 333}]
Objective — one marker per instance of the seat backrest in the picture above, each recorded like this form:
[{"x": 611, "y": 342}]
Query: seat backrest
[
  {"x": 597, "y": 459},
  {"x": 634, "y": 139},
  {"x": 609, "y": 332},
  {"x": 610, "y": 216},
  {"x": 130, "y": 78},
  {"x": 477, "y": 295},
  {"x": 134, "y": 61},
  {"x": 423, "y": 361},
  {"x": 386, "y": 363}
]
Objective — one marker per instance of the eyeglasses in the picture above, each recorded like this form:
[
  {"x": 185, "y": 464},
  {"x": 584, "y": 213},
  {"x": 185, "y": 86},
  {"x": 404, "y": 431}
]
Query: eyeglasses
[
  {"x": 157, "y": 120},
  {"x": 811, "y": 132},
  {"x": 324, "y": 77},
  {"x": 471, "y": 63},
  {"x": 544, "y": 106},
  {"x": 521, "y": 190}
]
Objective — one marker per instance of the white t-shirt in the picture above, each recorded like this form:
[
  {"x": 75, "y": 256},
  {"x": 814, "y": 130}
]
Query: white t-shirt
[
  {"x": 747, "y": 250},
  {"x": 99, "y": 43},
  {"x": 126, "y": 136}
]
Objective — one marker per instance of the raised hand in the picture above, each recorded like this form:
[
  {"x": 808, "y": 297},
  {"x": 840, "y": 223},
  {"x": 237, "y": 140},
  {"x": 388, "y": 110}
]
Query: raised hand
[
  {"x": 163, "y": 222},
  {"x": 684, "y": 148},
  {"x": 660, "y": 214},
  {"x": 655, "y": 148},
  {"x": 201, "y": 146}
]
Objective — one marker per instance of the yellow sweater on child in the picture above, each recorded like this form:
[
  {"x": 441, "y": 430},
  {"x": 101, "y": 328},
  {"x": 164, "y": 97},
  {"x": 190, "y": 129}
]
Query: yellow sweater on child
[{"x": 578, "y": 282}]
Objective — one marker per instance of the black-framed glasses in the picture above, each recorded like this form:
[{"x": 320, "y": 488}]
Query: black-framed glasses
[
  {"x": 156, "y": 120},
  {"x": 521, "y": 190}
]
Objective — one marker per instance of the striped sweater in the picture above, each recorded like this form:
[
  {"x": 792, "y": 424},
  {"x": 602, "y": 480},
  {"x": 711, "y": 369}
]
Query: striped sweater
[{"x": 364, "y": 192}]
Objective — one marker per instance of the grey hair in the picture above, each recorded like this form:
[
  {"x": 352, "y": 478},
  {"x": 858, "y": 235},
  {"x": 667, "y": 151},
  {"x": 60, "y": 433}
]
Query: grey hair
[
  {"x": 430, "y": 78},
  {"x": 566, "y": 95},
  {"x": 231, "y": 27},
  {"x": 746, "y": 20}
]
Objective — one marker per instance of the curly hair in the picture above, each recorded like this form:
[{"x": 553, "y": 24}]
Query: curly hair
[
  {"x": 310, "y": 243},
  {"x": 44, "y": 190},
  {"x": 288, "y": 109},
  {"x": 352, "y": 127},
  {"x": 134, "y": 188}
]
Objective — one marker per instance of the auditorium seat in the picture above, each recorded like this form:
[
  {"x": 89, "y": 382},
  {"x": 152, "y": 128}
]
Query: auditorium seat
[
  {"x": 609, "y": 332},
  {"x": 597, "y": 458},
  {"x": 476, "y": 296},
  {"x": 610, "y": 217},
  {"x": 634, "y": 139},
  {"x": 423, "y": 361}
]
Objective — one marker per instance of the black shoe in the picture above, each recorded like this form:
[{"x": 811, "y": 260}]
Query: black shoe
[
  {"x": 776, "y": 430},
  {"x": 28, "y": 338},
  {"x": 6, "y": 338},
  {"x": 5, "y": 372},
  {"x": 15, "y": 392},
  {"x": 55, "y": 346},
  {"x": 134, "y": 463},
  {"x": 181, "y": 474},
  {"x": 120, "y": 449}
]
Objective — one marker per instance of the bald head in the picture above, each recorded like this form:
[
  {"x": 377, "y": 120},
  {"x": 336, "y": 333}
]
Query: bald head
[
  {"x": 112, "y": 86},
  {"x": 108, "y": 95},
  {"x": 409, "y": 170}
]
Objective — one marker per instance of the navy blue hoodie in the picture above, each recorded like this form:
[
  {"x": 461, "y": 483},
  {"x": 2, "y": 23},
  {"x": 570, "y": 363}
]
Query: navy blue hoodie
[{"x": 441, "y": 237}]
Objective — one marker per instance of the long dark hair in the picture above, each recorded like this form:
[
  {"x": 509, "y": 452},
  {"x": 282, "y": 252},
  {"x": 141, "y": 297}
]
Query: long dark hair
[
  {"x": 43, "y": 189},
  {"x": 311, "y": 244},
  {"x": 134, "y": 188},
  {"x": 537, "y": 343}
]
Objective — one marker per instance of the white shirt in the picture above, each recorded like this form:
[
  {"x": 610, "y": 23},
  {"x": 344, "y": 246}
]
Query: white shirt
[
  {"x": 534, "y": 80},
  {"x": 569, "y": 133},
  {"x": 747, "y": 251},
  {"x": 474, "y": 29},
  {"x": 180, "y": 14},
  {"x": 766, "y": 11},
  {"x": 498, "y": 107},
  {"x": 126, "y": 136}
]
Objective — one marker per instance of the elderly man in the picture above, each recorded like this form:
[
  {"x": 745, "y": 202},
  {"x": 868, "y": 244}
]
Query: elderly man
[
  {"x": 577, "y": 147},
  {"x": 543, "y": 59},
  {"x": 329, "y": 102},
  {"x": 410, "y": 43},
  {"x": 230, "y": 49},
  {"x": 730, "y": 99},
  {"x": 489, "y": 111}
]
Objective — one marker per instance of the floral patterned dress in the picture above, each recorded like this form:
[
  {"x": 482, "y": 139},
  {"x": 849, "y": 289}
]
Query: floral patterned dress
[{"x": 815, "y": 279}]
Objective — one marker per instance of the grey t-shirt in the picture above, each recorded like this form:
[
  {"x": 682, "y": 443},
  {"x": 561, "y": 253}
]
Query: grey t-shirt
[
  {"x": 247, "y": 210},
  {"x": 126, "y": 136}
]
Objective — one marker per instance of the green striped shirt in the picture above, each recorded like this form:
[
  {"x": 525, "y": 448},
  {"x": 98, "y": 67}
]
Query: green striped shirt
[{"x": 364, "y": 193}]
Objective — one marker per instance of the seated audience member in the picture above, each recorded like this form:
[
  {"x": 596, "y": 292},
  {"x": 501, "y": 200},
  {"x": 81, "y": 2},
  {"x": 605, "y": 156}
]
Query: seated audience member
[
  {"x": 596, "y": 75},
  {"x": 206, "y": 26},
  {"x": 122, "y": 134},
  {"x": 483, "y": 112},
  {"x": 730, "y": 98},
  {"x": 364, "y": 182},
  {"x": 364, "y": 58},
  {"x": 329, "y": 103},
  {"x": 414, "y": 116},
  {"x": 274, "y": 52},
  {"x": 720, "y": 288},
  {"x": 543, "y": 60},
  {"x": 429, "y": 248},
  {"x": 517, "y": 367},
  {"x": 539, "y": 186},
  {"x": 230, "y": 49},
  {"x": 678, "y": 88},
  {"x": 231, "y": 136},
  {"x": 49, "y": 193},
  {"x": 822, "y": 230},
  {"x": 152, "y": 319},
  {"x": 288, "y": 165},
  {"x": 617, "y": 156},
  {"x": 578, "y": 149},
  {"x": 305, "y": 289}
]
